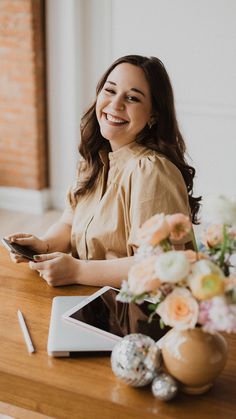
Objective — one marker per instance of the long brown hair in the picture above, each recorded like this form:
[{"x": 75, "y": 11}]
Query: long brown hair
[{"x": 164, "y": 136}]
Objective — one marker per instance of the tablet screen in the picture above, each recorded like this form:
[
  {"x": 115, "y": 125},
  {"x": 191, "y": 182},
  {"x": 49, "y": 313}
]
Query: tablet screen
[{"x": 110, "y": 315}]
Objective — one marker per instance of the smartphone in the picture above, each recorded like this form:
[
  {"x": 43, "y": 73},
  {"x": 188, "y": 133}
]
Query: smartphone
[{"x": 19, "y": 249}]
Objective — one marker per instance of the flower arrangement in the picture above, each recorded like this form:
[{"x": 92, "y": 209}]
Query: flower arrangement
[{"x": 187, "y": 288}]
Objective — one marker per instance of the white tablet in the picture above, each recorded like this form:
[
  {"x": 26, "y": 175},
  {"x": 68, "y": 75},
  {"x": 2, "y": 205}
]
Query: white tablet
[
  {"x": 103, "y": 314},
  {"x": 67, "y": 339}
]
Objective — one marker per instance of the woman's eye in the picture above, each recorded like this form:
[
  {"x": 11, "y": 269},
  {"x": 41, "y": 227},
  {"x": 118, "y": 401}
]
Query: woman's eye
[
  {"x": 111, "y": 91},
  {"x": 132, "y": 99}
]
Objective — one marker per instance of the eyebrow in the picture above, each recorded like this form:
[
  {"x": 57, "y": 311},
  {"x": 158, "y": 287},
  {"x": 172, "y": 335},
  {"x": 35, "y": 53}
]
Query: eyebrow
[{"x": 134, "y": 89}]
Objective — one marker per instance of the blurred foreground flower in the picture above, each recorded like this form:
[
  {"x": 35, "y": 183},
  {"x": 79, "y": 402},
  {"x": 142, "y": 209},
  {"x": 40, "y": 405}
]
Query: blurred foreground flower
[
  {"x": 220, "y": 210},
  {"x": 187, "y": 288}
]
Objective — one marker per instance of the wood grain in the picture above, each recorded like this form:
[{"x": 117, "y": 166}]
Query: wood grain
[{"x": 81, "y": 387}]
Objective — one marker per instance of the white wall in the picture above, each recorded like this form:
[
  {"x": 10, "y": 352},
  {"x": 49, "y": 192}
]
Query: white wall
[
  {"x": 76, "y": 29},
  {"x": 195, "y": 40}
]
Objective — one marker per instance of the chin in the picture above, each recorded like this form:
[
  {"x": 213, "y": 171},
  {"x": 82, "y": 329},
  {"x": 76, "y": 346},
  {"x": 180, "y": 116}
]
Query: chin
[{"x": 108, "y": 135}]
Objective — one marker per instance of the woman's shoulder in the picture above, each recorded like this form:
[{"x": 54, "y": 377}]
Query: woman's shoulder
[{"x": 150, "y": 161}]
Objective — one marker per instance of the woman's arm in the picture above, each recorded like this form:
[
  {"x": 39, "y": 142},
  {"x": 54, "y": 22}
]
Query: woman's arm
[
  {"x": 105, "y": 272},
  {"x": 63, "y": 269},
  {"x": 57, "y": 238}
]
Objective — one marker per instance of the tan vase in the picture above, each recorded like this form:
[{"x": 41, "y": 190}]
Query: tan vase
[{"x": 195, "y": 358}]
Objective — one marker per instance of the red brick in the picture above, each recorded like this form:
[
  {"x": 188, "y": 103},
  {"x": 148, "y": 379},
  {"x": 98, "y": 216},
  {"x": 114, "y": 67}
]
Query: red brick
[{"x": 23, "y": 145}]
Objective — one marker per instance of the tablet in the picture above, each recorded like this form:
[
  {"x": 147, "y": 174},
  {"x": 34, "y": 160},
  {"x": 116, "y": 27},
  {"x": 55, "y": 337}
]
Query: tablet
[
  {"x": 66, "y": 339},
  {"x": 103, "y": 314}
]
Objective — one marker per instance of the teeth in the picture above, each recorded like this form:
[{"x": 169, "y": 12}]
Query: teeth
[{"x": 113, "y": 119}]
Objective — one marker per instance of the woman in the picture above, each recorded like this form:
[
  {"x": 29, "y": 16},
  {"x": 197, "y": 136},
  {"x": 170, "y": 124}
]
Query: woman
[{"x": 132, "y": 167}]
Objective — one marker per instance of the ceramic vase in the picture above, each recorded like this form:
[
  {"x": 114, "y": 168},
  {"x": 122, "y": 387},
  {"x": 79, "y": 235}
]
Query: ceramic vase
[{"x": 194, "y": 357}]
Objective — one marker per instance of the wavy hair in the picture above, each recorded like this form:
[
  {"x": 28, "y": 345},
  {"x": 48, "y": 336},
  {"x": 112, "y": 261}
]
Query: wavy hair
[{"x": 163, "y": 136}]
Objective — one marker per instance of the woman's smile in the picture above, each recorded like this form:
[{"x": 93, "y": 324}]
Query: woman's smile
[{"x": 115, "y": 120}]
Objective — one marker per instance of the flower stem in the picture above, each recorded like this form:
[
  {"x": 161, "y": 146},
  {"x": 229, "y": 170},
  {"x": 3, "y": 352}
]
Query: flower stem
[
  {"x": 195, "y": 247},
  {"x": 223, "y": 249}
]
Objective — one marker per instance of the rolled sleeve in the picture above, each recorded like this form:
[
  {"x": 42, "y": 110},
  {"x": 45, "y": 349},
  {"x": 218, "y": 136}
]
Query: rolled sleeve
[{"x": 157, "y": 187}]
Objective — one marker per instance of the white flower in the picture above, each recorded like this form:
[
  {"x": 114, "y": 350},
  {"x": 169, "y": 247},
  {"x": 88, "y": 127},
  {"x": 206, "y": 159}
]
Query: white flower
[
  {"x": 220, "y": 209},
  {"x": 172, "y": 266}
]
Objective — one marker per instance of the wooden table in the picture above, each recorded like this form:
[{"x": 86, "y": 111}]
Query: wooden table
[{"x": 37, "y": 386}]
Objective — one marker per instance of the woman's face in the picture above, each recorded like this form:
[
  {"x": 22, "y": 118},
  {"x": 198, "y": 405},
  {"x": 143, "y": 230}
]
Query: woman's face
[{"x": 123, "y": 105}]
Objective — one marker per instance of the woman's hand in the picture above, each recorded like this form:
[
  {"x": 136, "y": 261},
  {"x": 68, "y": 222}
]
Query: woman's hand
[
  {"x": 57, "y": 268},
  {"x": 27, "y": 240}
]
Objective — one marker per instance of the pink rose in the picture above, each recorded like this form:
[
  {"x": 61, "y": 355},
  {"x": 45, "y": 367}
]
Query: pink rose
[
  {"x": 180, "y": 226},
  {"x": 142, "y": 277},
  {"x": 220, "y": 315},
  {"x": 153, "y": 231},
  {"x": 204, "y": 308},
  {"x": 179, "y": 309}
]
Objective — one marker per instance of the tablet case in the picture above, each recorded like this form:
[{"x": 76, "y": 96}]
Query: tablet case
[{"x": 65, "y": 338}]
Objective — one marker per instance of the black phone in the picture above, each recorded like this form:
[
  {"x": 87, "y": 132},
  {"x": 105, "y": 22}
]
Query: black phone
[{"x": 19, "y": 249}]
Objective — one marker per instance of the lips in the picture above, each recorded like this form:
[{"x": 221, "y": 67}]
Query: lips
[{"x": 115, "y": 119}]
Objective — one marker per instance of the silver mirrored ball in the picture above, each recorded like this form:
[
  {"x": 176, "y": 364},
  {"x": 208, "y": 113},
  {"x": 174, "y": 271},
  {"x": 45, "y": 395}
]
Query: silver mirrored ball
[
  {"x": 164, "y": 387},
  {"x": 136, "y": 359}
]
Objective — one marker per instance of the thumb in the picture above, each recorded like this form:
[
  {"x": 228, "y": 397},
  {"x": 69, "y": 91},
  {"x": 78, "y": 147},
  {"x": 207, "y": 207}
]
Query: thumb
[{"x": 47, "y": 256}]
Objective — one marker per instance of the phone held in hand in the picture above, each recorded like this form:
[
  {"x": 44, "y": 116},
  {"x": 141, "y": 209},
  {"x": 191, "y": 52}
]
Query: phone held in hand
[{"x": 19, "y": 249}]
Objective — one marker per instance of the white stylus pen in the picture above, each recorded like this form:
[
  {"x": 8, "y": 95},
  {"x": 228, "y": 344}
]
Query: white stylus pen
[{"x": 25, "y": 332}]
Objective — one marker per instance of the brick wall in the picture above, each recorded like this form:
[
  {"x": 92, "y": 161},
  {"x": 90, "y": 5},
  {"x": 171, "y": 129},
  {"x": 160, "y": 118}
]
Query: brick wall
[{"x": 23, "y": 143}]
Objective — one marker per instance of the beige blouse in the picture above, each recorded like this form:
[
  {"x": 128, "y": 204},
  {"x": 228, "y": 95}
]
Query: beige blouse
[{"x": 135, "y": 184}]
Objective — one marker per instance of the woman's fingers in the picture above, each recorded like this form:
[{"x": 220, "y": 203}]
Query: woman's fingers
[
  {"x": 56, "y": 268},
  {"x": 24, "y": 241},
  {"x": 47, "y": 256},
  {"x": 41, "y": 261},
  {"x": 29, "y": 240},
  {"x": 17, "y": 236},
  {"x": 44, "y": 266},
  {"x": 17, "y": 258}
]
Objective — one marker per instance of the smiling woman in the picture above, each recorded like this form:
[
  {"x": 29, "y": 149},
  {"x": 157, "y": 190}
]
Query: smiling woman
[
  {"x": 124, "y": 105},
  {"x": 133, "y": 166}
]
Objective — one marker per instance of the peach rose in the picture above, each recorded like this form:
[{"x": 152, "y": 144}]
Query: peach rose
[
  {"x": 179, "y": 309},
  {"x": 213, "y": 235},
  {"x": 194, "y": 256},
  {"x": 142, "y": 277},
  {"x": 180, "y": 226},
  {"x": 153, "y": 231},
  {"x": 206, "y": 280},
  {"x": 230, "y": 283}
]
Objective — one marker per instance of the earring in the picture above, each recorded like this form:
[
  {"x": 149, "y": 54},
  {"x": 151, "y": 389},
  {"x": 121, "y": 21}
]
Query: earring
[{"x": 152, "y": 122}]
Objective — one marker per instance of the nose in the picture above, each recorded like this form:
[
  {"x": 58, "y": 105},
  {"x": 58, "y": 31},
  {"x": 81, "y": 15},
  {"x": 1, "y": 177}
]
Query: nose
[{"x": 118, "y": 103}]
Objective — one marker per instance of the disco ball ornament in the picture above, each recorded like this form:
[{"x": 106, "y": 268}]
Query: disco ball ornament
[
  {"x": 164, "y": 387},
  {"x": 136, "y": 359}
]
